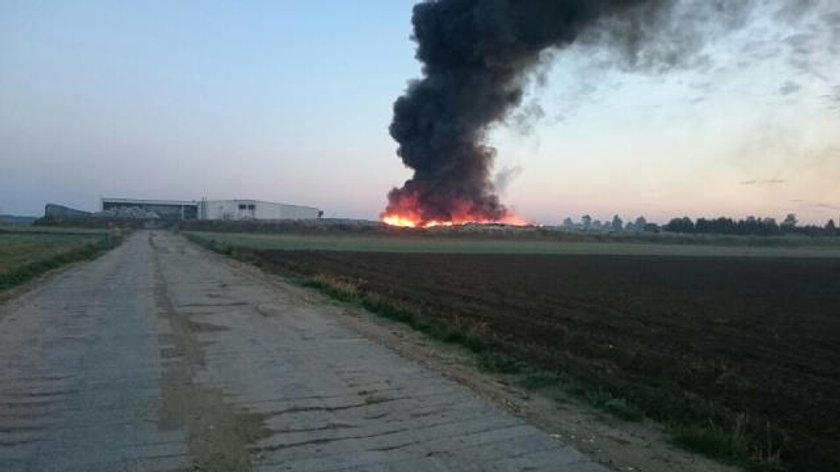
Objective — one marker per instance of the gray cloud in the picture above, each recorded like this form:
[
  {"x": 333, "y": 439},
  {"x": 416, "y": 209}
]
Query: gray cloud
[
  {"x": 833, "y": 99},
  {"x": 832, "y": 22},
  {"x": 815, "y": 47},
  {"x": 760, "y": 49},
  {"x": 789, "y": 87}
]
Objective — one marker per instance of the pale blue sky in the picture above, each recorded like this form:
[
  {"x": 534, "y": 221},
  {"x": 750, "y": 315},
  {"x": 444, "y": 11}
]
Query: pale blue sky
[{"x": 290, "y": 101}]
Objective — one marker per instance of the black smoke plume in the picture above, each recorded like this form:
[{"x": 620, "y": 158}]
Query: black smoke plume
[{"x": 476, "y": 56}]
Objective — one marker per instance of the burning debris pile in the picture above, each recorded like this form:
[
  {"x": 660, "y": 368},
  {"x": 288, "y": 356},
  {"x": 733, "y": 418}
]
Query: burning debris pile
[{"x": 477, "y": 57}]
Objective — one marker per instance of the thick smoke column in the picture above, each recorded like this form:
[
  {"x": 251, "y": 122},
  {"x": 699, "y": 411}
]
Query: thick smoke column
[{"x": 476, "y": 55}]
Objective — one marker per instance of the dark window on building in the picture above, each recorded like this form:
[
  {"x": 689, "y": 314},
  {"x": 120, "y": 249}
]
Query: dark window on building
[
  {"x": 252, "y": 207},
  {"x": 242, "y": 206}
]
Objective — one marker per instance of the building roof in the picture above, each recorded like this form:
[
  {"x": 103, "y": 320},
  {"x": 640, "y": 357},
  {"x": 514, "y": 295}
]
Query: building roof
[
  {"x": 244, "y": 200},
  {"x": 149, "y": 202}
]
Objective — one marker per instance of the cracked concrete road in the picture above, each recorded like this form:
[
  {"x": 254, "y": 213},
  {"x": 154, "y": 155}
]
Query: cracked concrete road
[{"x": 161, "y": 356}]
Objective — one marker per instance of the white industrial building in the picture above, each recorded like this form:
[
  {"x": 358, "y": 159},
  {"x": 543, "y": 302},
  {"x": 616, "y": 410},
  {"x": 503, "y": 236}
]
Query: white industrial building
[
  {"x": 232, "y": 210},
  {"x": 254, "y": 210}
]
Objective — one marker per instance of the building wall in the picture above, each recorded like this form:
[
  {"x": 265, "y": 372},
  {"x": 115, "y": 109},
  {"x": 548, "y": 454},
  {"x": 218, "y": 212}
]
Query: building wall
[
  {"x": 164, "y": 208},
  {"x": 253, "y": 210}
]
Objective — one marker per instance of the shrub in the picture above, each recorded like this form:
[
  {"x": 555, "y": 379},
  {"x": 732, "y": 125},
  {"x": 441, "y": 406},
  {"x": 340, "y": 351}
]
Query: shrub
[
  {"x": 710, "y": 440},
  {"x": 497, "y": 361}
]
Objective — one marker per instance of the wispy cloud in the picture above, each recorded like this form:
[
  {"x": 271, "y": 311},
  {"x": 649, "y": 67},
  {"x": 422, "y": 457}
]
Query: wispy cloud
[
  {"x": 833, "y": 99},
  {"x": 820, "y": 205},
  {"x": 763, "y": 182}
]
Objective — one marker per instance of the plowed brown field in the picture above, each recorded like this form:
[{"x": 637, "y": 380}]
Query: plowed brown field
[{"x": 750, "y": 341}]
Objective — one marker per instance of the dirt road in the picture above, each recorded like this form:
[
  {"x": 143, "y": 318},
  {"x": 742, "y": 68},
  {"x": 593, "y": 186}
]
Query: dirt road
[{"x": 161, "y": 356}]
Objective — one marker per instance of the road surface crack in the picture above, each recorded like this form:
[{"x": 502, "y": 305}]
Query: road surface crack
[{"x": 219, "y": 434}]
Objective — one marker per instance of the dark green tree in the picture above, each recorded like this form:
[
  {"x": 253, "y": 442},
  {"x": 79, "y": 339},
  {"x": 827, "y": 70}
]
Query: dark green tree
[
  {"x": 789, "y": 223},
  {"x": 680, "y": 225}
]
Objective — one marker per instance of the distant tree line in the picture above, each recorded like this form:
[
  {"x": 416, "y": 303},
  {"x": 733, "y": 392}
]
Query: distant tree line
[
  {"x": 749, "y": 226},
  {"x": 639, "y": 225}
]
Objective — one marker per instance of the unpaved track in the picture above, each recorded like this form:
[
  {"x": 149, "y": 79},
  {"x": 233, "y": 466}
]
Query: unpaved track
[{"x": 160, "y": 356}]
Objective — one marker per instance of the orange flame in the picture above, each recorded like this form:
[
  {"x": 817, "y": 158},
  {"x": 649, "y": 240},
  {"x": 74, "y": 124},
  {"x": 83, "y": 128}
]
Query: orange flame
[
  {"x": 412, "y": 220},
  {"x": 408, "y": 222},
  {"x": 405, "y": 212}
]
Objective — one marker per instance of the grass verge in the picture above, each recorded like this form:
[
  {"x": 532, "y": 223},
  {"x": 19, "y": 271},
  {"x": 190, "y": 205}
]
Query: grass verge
[
  {"x": 710, "y": 441},
  {"x": 27, "y": 272}
]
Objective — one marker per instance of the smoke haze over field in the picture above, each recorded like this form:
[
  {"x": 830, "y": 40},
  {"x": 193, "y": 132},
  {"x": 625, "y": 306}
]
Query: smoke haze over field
[{"x": 477, "y": 56}]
